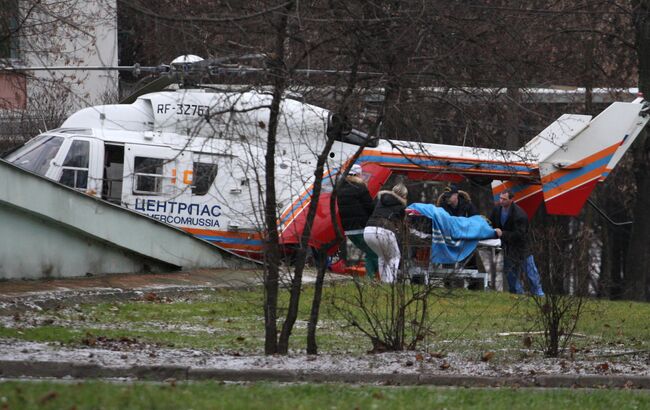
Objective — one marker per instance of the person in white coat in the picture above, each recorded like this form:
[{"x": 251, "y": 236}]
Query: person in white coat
[{"x": 382, "y": 232}]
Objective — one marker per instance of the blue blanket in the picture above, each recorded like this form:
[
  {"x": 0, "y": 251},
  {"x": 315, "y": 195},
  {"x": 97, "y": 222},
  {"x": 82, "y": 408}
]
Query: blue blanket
[{"x": 453, "y": 238}]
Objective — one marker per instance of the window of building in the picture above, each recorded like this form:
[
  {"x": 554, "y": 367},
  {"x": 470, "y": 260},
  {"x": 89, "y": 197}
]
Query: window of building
[
  {"x": 75, "y": 165},
  {"x": 9, "y": 30},
  {"x": 148, "y": 175}
]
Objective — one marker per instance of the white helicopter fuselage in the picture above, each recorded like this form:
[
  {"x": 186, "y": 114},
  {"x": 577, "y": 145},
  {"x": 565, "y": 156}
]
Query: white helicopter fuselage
[
  {"x": 189, "y": 158},
  {"x": 195, "y": 159}
]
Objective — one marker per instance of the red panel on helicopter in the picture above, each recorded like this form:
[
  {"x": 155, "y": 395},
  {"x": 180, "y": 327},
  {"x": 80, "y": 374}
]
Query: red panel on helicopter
[
  {"x": 571, "y": 202},
  {"x": 323, "y": 233}
]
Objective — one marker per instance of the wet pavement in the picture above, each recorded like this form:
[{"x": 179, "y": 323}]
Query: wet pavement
[
  {"x": 17, "y": 294},
  {"x": 123, "y": 282}
]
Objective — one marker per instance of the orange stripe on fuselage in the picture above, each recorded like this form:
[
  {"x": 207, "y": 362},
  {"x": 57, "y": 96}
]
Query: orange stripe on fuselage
[
  {"x": 288, "y": 215},
  {"x": 521, "y": 194},
  {"x": 294, "y": 211},
  {"x": 578, "y": 181},
  {"x": 581, "y": 180},
  {"x": 225, "y": 234}
]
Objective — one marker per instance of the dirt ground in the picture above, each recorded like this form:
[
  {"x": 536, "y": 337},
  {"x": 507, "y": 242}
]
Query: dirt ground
[{"x": 30, "y": 297}]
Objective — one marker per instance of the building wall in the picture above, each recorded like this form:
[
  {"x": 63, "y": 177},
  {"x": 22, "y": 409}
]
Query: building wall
[
  {"x": 86, "y": 35},
  {"x": 56, "y": 34}
]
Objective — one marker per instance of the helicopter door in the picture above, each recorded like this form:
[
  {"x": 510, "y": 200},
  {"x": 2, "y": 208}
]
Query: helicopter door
[
  {"x": 113, "y": 173},
  {"x": 152, "y": 181},
  {"x": 78, "y": 165}
]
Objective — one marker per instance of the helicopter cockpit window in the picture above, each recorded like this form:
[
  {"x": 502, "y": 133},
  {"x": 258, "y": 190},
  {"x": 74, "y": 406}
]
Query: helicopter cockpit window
[
  {"x": 148, "y": 175},
  {"x": 357, "y": 137},
  {"x": 37, "y": 154},
  {"x": 340, "y": 129},
  {"x": 202, "y": 177},
  {"x": 75, "y": 165}
]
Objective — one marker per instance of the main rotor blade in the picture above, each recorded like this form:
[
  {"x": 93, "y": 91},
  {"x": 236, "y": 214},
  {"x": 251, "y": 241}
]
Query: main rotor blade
[{"x": 156, "y": 85}]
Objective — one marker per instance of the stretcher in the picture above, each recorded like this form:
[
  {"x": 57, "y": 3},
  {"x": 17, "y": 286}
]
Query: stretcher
[{"x": 422, "y": 271}]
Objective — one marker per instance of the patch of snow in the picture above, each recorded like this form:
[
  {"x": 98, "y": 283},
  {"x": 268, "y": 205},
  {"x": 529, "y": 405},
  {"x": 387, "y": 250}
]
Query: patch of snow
[{"x": 122, "y": 353}]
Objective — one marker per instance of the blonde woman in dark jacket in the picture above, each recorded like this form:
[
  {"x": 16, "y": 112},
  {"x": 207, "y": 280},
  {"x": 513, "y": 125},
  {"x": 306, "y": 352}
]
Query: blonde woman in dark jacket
[
  {"x": 355, "y": 207},
  {"x": 383, "y": 229}
]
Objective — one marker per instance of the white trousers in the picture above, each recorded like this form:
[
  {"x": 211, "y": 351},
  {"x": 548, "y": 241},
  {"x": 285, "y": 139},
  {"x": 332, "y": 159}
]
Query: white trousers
[{"x": 384, "y": 243}]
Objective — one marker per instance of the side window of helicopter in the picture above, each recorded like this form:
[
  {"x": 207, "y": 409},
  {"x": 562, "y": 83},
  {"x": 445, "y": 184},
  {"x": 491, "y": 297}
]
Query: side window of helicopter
[
  {"x": 148, "y": 175},
  {"x": 75, "y": 165},
  {"x": 203, "y": 177}
]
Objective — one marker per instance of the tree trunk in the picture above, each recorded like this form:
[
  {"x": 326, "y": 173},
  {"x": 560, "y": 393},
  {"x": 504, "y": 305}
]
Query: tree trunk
[
  {"x": 296, "y": 282},
  {"x": 312, "y": 347},
  {"x": 512, "y": 119},
  {"x": 615, "y": 246},
  {"x": 272, "y": 250},
  {"x": 391, "y": 109},
  {"x": 638, "y": 258}
]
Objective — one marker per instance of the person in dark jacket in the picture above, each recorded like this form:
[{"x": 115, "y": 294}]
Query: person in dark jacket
[
  {"x": 355, "y": 207},
  {"x": 457, "y": 202},
  {"x": 510, "y": 223},
  {"x": 383, "y": 230}
]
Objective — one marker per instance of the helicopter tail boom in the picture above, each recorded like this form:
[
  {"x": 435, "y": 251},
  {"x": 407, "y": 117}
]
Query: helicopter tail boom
[
  {"x": 570, "y": 174},
  {"x": 574, "y": 154}
]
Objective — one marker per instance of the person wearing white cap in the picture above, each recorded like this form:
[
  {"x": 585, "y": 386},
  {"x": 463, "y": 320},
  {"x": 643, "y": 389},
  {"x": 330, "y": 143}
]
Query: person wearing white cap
[{"x": 355, "y": 207}]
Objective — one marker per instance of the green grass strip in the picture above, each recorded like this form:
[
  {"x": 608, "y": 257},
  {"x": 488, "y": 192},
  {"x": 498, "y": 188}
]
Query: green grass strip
[{"x": 268, "y": 396}]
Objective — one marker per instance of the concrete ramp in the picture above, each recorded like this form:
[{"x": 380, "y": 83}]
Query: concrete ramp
[{"x": 49, "y": 230}]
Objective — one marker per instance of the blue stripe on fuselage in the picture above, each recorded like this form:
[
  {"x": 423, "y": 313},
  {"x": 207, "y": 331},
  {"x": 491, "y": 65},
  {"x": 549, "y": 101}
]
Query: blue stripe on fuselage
[
  {"x": 576, "y": 173},
  {"x": 237, "y": 241}
]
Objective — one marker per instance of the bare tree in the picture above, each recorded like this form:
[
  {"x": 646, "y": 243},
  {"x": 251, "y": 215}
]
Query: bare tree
[
  {"x": 272, "y": 252},
  {"x": 638, "y": 258},
  {"x": 566, "y": 270}
]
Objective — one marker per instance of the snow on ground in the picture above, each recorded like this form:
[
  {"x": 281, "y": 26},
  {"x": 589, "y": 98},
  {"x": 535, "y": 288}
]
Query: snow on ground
[{"x": 127, "y": 352}]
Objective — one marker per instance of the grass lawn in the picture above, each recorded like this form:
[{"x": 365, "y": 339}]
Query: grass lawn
[
  {"x": 267, "y": 396},
  {"x": 463, "y": 321}
]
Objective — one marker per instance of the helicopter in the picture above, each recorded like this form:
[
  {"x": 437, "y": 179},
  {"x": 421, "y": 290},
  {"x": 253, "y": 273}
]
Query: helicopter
[{"x": 194, "y": 158}]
